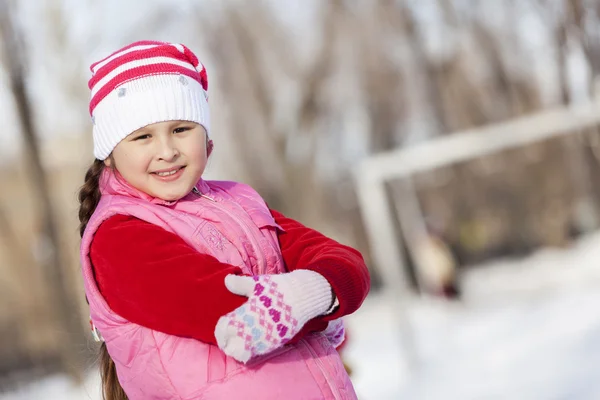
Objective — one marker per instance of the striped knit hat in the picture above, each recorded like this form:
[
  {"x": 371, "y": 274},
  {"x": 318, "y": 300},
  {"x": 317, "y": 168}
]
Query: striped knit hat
[{"x": 144, "y": 83}]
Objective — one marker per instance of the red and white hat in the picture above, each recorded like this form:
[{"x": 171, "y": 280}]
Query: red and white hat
[{"x": 144, "y": 83}]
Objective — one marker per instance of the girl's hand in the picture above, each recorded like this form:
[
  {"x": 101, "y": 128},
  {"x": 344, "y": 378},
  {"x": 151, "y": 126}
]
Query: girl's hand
[
  {"x": 335, "y": 332},
  {"x": 278, "y": 306}
]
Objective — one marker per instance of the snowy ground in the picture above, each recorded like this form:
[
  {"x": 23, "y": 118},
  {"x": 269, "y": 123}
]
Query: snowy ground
[
  {"x": 58, "y": 388},
  {"x": 527, "y": 330},
  {"x": 543, "y": 348}
]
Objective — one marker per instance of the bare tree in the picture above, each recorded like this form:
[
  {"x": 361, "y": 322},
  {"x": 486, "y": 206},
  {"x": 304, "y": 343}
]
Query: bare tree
[
  {"x": 66, "y": 308},
  {"x": 566, "y": 20},
  {"x": 249, "y": 38}
]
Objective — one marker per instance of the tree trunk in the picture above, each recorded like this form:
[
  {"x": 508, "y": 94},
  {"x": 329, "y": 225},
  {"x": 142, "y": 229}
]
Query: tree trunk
[{"x": 65, "y": 308}]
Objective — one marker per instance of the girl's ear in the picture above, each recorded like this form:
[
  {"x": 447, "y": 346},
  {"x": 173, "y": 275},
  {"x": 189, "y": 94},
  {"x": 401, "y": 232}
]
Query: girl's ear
[
  {"x": 209, "y": 148},
  {"x": 109, "y": 161}
]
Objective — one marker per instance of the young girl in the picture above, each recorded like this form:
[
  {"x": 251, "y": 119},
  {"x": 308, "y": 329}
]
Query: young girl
[{"x": 197, "y": 289}]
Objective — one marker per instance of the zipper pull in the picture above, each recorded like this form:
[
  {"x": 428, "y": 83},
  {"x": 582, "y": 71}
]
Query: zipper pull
[{"x": 195, "y": 190}]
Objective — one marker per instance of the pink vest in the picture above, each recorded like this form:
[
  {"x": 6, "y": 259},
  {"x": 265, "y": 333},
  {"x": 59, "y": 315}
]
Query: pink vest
[{"x": 231, "y": 222}]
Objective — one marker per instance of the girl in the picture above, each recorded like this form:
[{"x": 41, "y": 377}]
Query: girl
[{"x": 197, "y": 288}]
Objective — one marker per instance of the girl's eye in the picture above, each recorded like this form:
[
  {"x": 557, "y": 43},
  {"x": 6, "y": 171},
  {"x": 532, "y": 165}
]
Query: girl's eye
[
  {"x": 181, "y": 129},
  {"x": 142, "y": 137}
]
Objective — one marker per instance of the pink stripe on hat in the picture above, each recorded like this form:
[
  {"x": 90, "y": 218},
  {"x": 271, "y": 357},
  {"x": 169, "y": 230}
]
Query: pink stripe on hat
[
  {"x": 137, "y": 53},
  {"x": 132, "y": 46}
]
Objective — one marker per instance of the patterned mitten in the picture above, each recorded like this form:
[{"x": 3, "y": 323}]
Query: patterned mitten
[
  {"x": 335, "y": 332},
  {"x": 278, "y": 306}
]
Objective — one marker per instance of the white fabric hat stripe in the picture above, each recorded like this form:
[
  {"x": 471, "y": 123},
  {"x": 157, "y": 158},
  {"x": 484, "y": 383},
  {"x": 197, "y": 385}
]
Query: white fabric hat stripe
[{"x": 95, "y": 67}]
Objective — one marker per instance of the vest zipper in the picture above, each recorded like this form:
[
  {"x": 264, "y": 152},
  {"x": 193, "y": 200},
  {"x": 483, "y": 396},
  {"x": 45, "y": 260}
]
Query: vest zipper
[
  {"x": 260, "y": 260},
  {"x": 195, "y": 190},
  {"x": 333, "y": 387}
]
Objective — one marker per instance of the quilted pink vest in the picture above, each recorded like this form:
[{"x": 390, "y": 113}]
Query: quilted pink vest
[{"x": 231, "y": 222}]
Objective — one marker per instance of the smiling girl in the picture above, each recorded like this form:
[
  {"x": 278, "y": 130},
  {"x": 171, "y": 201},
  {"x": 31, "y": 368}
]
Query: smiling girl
[{"x": 197, "y": 289}]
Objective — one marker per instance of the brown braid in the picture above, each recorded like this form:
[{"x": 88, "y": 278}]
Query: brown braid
[
  {"x": 89, "y": 196},
  {"x": 111, "y": 388}
]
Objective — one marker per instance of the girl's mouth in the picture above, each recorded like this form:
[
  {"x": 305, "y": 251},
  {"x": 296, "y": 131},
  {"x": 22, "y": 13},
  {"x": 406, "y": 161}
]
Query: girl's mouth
[{"x": 169, "y": 175}]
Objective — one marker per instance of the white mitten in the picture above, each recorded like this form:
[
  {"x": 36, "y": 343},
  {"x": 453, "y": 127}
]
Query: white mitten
[
  {"x": 278, "y": 306},
  {"x": 335, "y": 332}
]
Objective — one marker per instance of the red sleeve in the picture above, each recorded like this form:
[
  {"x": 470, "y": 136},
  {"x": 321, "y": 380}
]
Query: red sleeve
[
  {"x": 342, "y": 266},
  {"x": 155, "y": 279}
]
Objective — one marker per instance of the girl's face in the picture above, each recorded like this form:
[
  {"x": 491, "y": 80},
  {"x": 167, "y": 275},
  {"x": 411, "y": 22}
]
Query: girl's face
[{"x": 164, "y": 160}]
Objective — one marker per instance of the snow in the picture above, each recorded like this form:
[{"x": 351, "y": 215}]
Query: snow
[
  {"x": 526, "y": 329},
  {"x": 540, "y": 348},
  {"x": 58, "y": 388}
]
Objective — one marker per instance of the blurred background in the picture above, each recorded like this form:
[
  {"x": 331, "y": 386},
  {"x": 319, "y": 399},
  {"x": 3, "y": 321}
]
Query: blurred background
[{"x": 454, "y": 142}]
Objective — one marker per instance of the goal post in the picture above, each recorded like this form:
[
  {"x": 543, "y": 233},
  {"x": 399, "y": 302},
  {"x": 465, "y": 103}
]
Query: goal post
[{"x": 374, "y": 172}]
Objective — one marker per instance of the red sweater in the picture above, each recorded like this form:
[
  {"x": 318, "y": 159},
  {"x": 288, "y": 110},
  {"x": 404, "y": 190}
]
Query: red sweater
[{"x": 155, "y": 279}]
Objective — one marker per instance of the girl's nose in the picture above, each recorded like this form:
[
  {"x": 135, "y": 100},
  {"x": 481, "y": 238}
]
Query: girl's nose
[{"x": 167, "y": 151}]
